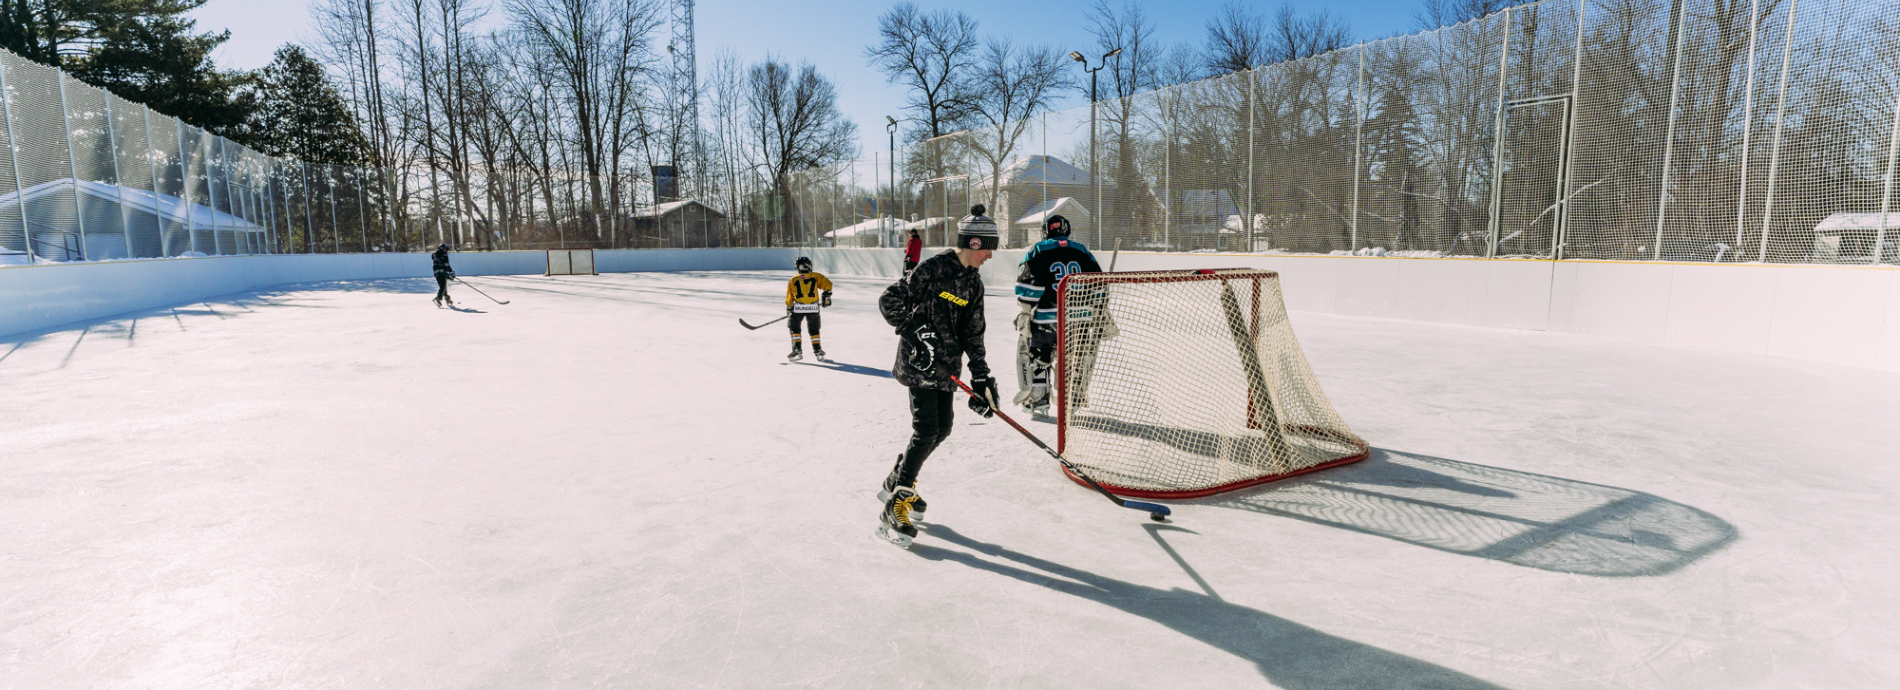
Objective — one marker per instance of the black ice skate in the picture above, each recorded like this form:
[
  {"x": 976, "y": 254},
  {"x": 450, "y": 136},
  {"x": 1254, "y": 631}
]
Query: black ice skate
[
  {"x": 895, "y": 524},
  {"x": 798, "y": 352},
  {"x": 818, "y": 353},
  {"x": 438, "y": 301},
  {"x": 890, "y": 484}
]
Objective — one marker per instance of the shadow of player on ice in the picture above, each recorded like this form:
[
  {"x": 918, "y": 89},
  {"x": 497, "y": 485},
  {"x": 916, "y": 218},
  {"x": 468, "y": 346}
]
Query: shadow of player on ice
[
  {"x": 850, "y": 368},
  {"x": 1288, "y": 654}
]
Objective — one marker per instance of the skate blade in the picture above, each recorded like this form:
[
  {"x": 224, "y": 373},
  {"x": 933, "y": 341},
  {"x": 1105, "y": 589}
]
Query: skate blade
[{"x": 900, "y": 539}]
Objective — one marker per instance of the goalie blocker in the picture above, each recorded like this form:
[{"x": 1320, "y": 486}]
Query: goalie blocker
[{"x": 1179, "y": 384}]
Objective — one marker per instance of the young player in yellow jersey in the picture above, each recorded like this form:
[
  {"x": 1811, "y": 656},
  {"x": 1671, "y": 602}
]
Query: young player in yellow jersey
[{"x": 805, "y": 293}]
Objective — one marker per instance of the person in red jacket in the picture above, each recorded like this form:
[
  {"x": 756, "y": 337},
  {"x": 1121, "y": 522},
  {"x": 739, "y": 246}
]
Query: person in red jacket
[{"x": 913, "y": 251}]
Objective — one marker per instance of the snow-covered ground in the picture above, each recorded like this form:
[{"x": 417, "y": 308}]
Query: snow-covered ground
[{"x": 609, "y": 483}]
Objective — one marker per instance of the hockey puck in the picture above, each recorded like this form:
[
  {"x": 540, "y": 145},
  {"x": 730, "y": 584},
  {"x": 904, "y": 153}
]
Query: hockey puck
[{"x": 1157, "y": 517}]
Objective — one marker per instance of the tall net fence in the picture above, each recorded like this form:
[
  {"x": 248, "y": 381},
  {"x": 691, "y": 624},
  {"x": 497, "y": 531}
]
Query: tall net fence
[{"x": 1679, "y": 130}]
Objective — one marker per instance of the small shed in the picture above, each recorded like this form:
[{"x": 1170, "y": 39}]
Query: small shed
[
  {"x": 1851, "y": 236},
  {"x": 683, "y": 223}
]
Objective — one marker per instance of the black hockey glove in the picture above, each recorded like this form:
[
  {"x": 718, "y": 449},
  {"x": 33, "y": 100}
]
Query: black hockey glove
[
  {"x": 984, "y": 402},
  {"x": 825, "y": 300},
  {"x": 788, "y": 310},
  {"x": 923, "y": 348}
]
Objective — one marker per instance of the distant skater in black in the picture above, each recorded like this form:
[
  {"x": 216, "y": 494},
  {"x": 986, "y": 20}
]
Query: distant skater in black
[{"x": 443, "y": 274}]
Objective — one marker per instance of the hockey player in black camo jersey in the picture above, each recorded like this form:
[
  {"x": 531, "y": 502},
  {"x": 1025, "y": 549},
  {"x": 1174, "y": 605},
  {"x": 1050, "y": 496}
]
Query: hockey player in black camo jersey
[
  {"x": 1044, "y": 267},
  {"x": 443, "y": 274},
  {"x": 938, "y": 311}
]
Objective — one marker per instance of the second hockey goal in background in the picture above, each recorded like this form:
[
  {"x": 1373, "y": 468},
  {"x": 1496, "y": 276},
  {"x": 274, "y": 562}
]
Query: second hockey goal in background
[
  {"x": 1177, "y": 384},
  {"x": 571, "y": 262}
]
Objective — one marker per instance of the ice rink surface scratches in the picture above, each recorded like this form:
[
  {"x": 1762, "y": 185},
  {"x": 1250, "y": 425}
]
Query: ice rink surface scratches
[{"x": 609, "y": 482}]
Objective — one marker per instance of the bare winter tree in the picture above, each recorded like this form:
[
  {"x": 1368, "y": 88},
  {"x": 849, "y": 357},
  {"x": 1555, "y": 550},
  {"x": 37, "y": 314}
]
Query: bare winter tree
[
  {"x": 1011, "y": 85},
  {"x": 1433, "y": 14},
  {"x": 351, "y": 39},
  {"x": 1236, "y": 40},
  {"x": 1134, "y": 70},
  {"x": 933, "y": 55},
  {"x": 1292, "y": 37},
  {"x": 600, "y": 52},
  {"x": 793, "y": 118}
]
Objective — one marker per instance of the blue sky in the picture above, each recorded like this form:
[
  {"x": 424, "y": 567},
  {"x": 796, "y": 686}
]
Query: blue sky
[{"x": 832, "y": 35}]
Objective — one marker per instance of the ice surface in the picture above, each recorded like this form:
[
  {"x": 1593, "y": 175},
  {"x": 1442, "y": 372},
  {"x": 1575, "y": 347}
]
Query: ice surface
[{"x": 610, "y": 483}]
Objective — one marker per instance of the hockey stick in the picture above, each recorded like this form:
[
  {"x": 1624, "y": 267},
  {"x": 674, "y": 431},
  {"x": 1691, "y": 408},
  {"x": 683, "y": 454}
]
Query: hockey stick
[
  {"x": 479, "y": 291},
  {"x": 1156, "y": 511},
  {"x": 768, "y": 323}
]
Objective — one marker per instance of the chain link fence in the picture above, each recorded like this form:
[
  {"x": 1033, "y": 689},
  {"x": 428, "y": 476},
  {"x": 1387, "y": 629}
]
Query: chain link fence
[{"x": 1679, "y": 130}]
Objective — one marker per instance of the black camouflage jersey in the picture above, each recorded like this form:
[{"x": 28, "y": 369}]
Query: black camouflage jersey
[
  {"x": 948, "y": 296},
  {"x": 441, "y": 260}
]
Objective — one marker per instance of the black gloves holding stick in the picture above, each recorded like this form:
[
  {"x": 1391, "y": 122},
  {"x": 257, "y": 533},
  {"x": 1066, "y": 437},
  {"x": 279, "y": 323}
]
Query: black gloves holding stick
[{"x": 983, "y": 401}]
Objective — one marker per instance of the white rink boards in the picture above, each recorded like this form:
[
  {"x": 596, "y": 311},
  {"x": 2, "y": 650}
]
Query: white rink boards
[{"x": 609, "y": 483}]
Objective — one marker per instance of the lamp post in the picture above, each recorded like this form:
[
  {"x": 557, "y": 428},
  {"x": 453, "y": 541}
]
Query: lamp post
[
  {"x": 891, "y": 128},
  {"x": 1095, "y": 214}
]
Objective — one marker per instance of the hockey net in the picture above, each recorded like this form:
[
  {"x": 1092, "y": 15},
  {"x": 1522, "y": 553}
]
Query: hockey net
[
  {"x": 571, "y": 262},
  {"x": 1177, "y": 384}
]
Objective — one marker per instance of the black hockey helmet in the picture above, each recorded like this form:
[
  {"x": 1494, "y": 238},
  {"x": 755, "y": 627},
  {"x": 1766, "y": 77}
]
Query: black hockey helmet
[
  {"x": 803, "y": 264},
  {"x": 442, "y": 247},
  {"x": 1056, "y": 226}
]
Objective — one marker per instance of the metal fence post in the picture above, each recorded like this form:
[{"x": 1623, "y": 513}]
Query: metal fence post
[
  {"x": 184, "y": 178},
  {"x": 1497, "y": 143},
  {"x": 362, "y": 217},
  {"x": 1168, "y": 113},
  {"x": 1253, "y": 116},
  {"x": 309, "y": 230},
  {"x": 1572, "y": 112},
  {"x": 329, "y": 176},
  {"x": 1748, "y": 122},
  {"x": 1886, "y": 192},
  {"x": 1358, "y": 145},
  {"x": 211, "y": 191},
  {"x": 72, "y": 163},
  {"x": 145, "y": 117},
  {"x": 112, "y": 145},
  {"x": 1669, "y": 134},
  {"x": 6, "y": 102},
  {"x": 1781, "y": 117}
]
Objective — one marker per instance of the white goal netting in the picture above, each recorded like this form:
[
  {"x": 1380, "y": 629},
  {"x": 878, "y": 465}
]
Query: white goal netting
[{"x": 1176, "y": 384}]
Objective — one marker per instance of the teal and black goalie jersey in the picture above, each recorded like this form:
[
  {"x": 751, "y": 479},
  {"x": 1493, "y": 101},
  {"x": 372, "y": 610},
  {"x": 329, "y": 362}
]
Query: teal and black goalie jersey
[{"x": 1043, "y": 269}]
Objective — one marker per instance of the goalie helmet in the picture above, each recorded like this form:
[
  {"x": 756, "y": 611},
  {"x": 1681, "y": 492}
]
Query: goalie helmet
[
  {"x": 1056, "y": 226},
  {"x": 803, "y": 264}
]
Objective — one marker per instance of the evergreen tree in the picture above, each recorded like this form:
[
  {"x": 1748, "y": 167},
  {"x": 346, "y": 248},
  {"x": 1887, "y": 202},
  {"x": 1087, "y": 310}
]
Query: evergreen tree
[
  {"x": 143, "y": 50},
  {"x": 299, "y": 114}
]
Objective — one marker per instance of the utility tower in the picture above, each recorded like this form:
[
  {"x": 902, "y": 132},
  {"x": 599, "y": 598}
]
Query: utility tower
[{"x": 683, "y": 100}]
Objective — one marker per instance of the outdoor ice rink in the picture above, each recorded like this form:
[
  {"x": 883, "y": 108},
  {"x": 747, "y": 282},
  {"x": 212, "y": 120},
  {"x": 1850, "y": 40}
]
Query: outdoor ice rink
[{"x": 609, "y": 483}]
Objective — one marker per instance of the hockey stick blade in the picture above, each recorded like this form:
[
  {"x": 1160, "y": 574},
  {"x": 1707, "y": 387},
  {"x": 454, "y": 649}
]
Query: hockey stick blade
[
  {"x": 1156, "y": 511},
  {"x": 479, "y": 291},
  {"x": 751, "y": 327}
]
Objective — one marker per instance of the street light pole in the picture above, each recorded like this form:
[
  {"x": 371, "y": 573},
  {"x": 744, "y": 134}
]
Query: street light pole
[
  {"x": 891, "y": 128},
  {"x": 1096, "y": 214}
]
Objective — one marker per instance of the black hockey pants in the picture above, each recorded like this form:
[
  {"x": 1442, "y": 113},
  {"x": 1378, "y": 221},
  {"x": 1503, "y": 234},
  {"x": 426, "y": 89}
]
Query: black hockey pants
[
  {"x": 929, "y": 425},
  {"x": 441, "y": 286},
  {"x": 809, "y": 319}
]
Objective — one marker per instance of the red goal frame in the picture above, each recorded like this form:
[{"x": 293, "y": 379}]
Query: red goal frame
[{"x": 1252, "y": 276}]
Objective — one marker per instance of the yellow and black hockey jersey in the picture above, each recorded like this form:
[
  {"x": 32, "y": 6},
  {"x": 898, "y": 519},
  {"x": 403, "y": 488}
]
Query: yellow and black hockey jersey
[{"x": 804, "y": 290}]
